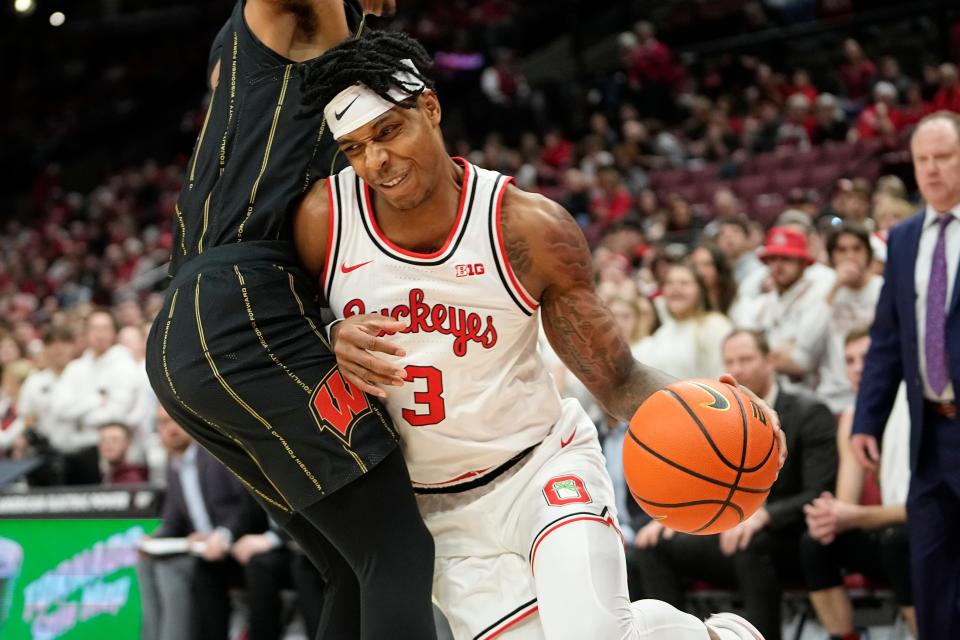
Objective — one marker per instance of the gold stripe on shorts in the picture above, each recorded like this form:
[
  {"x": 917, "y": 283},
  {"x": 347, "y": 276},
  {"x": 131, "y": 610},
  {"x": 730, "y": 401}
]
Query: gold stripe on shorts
[
  {"x": 240, "y": 401},
  {"x": 182, "y": 402}
]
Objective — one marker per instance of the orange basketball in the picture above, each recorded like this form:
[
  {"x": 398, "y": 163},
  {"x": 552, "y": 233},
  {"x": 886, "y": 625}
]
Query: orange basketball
[{"x": 700, "y": 456}]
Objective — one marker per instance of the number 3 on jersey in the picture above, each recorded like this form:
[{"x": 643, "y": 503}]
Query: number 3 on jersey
[{"x": 431, "y": 398}]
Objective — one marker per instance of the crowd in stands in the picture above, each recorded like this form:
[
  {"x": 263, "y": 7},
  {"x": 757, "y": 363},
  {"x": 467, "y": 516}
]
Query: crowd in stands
[{"x": 738, "y": 218}]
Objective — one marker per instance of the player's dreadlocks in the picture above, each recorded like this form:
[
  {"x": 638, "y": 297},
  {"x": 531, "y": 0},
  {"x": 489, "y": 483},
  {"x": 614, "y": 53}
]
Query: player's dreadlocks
[{"x": 372, "y": 59}]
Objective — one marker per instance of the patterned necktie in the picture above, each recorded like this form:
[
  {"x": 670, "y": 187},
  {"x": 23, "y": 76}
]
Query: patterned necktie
[{"x": 935, "y": 346}]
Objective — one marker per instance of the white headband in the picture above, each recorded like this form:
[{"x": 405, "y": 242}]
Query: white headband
[{"x": 357, "y": 105}]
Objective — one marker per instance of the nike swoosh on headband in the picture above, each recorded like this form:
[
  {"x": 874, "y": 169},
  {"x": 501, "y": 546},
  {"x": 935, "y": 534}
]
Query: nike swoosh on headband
[{"x": 339, "y": 114}]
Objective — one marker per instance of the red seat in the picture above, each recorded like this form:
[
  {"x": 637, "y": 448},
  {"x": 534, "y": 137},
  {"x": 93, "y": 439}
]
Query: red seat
[
  {"x": 838, "y": 152},
  {"x": 667, "y": 179},
  {"x": 691, "y": 192},
  {"x": 870, "y": 147},
  {"x": 749, "y": 186},
  {"x": 800, "y": 159},
  {"x": 706, "y": 173},
  {"x": 758, "y": 164},
  {"x": 872, "y": 170},
  {"x": 787, "y": 179},
  {"x": 825, "y": 175}
]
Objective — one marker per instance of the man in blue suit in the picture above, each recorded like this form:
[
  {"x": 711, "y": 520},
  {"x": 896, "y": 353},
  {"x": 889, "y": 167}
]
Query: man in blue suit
[{"x": 916, "y": 337}]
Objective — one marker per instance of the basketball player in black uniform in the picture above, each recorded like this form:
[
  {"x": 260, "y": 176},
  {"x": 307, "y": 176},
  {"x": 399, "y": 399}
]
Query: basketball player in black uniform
[{"x": 238, "y": 356}]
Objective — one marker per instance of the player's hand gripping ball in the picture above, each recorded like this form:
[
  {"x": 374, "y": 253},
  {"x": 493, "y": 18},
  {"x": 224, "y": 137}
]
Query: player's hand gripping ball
[{"x": 700, "y": 456}]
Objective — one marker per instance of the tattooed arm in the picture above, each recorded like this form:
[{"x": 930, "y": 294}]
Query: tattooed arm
[{"x": 550, "y": 256}]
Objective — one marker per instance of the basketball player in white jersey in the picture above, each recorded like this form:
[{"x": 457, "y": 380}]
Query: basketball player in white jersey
[{"x": 461, "y": 266}]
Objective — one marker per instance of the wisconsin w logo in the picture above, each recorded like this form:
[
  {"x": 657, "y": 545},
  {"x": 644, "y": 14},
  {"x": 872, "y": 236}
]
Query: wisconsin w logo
[
  {"x": 337, "y": 404},
  {"x": 720, "y": 402}
]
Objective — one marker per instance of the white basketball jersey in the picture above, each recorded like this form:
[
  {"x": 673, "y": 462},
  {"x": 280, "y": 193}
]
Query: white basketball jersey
[{"x": 477, "y": 392}]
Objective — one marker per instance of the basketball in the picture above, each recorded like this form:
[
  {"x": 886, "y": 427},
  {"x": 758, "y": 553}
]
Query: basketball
[{"x": 700, "y": 456}]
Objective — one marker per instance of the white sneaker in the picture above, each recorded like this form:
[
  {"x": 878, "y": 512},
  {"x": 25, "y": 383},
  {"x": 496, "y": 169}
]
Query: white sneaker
[{"x": 730, "y": 626}]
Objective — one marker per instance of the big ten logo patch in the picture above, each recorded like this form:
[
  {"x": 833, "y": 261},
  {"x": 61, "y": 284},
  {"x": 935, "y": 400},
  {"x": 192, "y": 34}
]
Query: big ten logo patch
[
  {"x": 464, "y": 270},
  {"x": 337, "y": 404},
  {"x": 564, "y": 490}
]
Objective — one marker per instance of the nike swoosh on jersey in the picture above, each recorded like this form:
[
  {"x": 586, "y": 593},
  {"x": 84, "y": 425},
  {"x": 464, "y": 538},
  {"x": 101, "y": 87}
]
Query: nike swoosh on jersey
[
  {"x": 564, "y": 443},
  {"x": 339, "y": 114},
  {"x": 345, "y": 269}
]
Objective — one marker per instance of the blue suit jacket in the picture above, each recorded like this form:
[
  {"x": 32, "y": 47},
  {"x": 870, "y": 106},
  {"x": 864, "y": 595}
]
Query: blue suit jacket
[{"x": 894, "y": 350}]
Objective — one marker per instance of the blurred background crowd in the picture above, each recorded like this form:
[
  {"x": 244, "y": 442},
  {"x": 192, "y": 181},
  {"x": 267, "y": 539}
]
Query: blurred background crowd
[{"x": 733, "y": 163}]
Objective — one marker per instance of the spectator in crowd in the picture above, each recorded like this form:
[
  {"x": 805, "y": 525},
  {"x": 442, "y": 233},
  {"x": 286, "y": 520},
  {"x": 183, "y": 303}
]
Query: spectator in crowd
[
  {"x": 269, "y": 567},
  {"x": 610, "y": 203},
  {"x": 913, "y": 108},
  {"x": 797, "y": 127},
  {"x": 763, "y": 132},
  {"x": 801, "y": 84},
  {"x": 857, "y": 73},
  {"x": 35, "y": 405},
  {"x": 829, "y": 123},
  {"x": 890, "y": 72},
  {"x": 506, "y": 91},
  {"x": 929, "y": 80},
  {"x": 636, "y": 316},
  {"x": 754, "y": 555},
  {"x": 557, "y": 150},
  {"x": 804, "y": 200},
  {"x": 114, "y": 448},
  {"x": 733, "y": 240},
  {"x": 852, "y": 199},
  {"x": 888, "y": 212},
  {"x": 856, "y": 529},
  {"x": 209, "y": 507},
  {"x": 651, "y": 71},
  {"x": 100, "y": 385},
  {"x": 781, "y": 312},
  {"x": 914, "y": 338},
  {"x": 576, "y": 196},
  {"x": 889, "y": 185},
  {"x": 855, "y": 292},
  {"x": 711, "y": 264},
  {"x": 11, "y": 381},
  {"x": 850, "y": 304},
  {"x": 683, "y": 222},
  {"x": 947, "y": 97},
  {"x": 144, "y": 411},
  {"x": 725, "y": 204},
  {"x": 166, "y": 581},
  {"x": 687, "y": 345},
  {"x": 10, "y": 349},
  {"x": 882, "y": 118}
]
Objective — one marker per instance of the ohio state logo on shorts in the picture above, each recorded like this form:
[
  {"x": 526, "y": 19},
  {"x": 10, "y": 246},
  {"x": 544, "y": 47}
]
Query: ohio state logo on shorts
[{"x": 564, "y": 490}]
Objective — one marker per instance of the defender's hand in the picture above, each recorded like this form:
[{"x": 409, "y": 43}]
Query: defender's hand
[
  {"x": 775, "y": 417},
  {"x": 354, "y": 341}
]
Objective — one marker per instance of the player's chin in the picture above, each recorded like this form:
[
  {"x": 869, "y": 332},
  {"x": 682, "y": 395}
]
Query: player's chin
[{"x": 406, "y": 200}]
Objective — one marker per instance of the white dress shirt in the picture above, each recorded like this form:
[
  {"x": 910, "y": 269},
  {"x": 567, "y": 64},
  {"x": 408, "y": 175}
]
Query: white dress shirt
[
  {"x": 921, "y": 273},
  {"x": 92, "y": 391},
  {"x": 192, "y": 494},
  {"x": 36, "y": 402}
]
